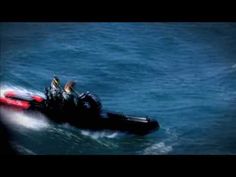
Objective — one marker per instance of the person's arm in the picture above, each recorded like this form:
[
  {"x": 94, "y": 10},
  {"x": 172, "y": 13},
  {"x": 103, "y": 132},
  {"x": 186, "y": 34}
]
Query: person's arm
[{"x": 47, "y": 92}]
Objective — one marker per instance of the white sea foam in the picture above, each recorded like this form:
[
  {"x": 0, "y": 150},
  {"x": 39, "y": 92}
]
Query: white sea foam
[
  {"x": 24, "y": 150},
  {"x": 30, "y": 121},
  {"x": 158, "y": 149},
  {"x": 99, "y": 134},
  {"x": 34, "y": 121},
  {"x": 21, "y": 90}
]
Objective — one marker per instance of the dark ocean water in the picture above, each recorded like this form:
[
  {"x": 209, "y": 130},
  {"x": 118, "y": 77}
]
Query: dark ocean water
[{"x": 182, "y": 74}]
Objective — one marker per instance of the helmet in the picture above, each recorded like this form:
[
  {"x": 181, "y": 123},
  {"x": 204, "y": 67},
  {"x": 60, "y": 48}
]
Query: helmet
[
  {"x": 55, "y": 81},
  {"x": 69, "y": 86}
]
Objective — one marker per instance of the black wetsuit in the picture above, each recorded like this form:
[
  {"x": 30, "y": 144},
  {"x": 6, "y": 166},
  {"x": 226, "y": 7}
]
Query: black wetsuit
[
  {"x": 70, "y": 99},
  {"x": 54, "y": 96}
]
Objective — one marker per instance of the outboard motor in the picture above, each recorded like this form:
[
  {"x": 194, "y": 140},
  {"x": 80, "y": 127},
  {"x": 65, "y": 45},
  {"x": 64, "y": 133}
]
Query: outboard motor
[{"x": 91, "y": 102}]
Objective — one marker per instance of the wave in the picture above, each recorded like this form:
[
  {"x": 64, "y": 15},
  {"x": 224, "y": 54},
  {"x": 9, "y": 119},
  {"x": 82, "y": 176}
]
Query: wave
[
  {"x": 24, "y": 150},
  {"x": 158, "y": 149},
  {"x": 9, "y": 87},
  {"x": 100, "y": 134},
  {"x": 234, "y": 66},
  {"x": 34, "y": 121},
  {"x": 164, "y": 147}
]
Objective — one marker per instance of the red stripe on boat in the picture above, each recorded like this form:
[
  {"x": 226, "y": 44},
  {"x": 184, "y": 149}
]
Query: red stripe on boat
[
  {"x": 37, "y": 98},
  {"x": 15, "y": 103},
  {"x": 10, "y": 94}
]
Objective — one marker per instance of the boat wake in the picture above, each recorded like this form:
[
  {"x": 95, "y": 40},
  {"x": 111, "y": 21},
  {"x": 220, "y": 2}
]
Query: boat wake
[
  {"x": 100, "y": 134},
  {"x": 35, "y": 121},
  {"x": 158, "y": 149},
  {"x": 9, "y": 87},
  {"x": 18, "y": 119}
]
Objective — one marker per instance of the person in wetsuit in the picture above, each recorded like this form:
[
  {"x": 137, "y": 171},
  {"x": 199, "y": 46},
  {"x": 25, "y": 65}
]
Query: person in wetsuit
[
  {"x": 54, "y": 92},
  {"x": 70, "y": 97}
]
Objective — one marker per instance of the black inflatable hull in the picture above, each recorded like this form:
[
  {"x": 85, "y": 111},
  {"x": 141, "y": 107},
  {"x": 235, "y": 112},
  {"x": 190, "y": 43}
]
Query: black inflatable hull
[
  {"x": 117, "y": 122},
  {"x": 102, "y": 120},
  {"x": 135, "y": 125},
  {"x": 107, "y": 121}
]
